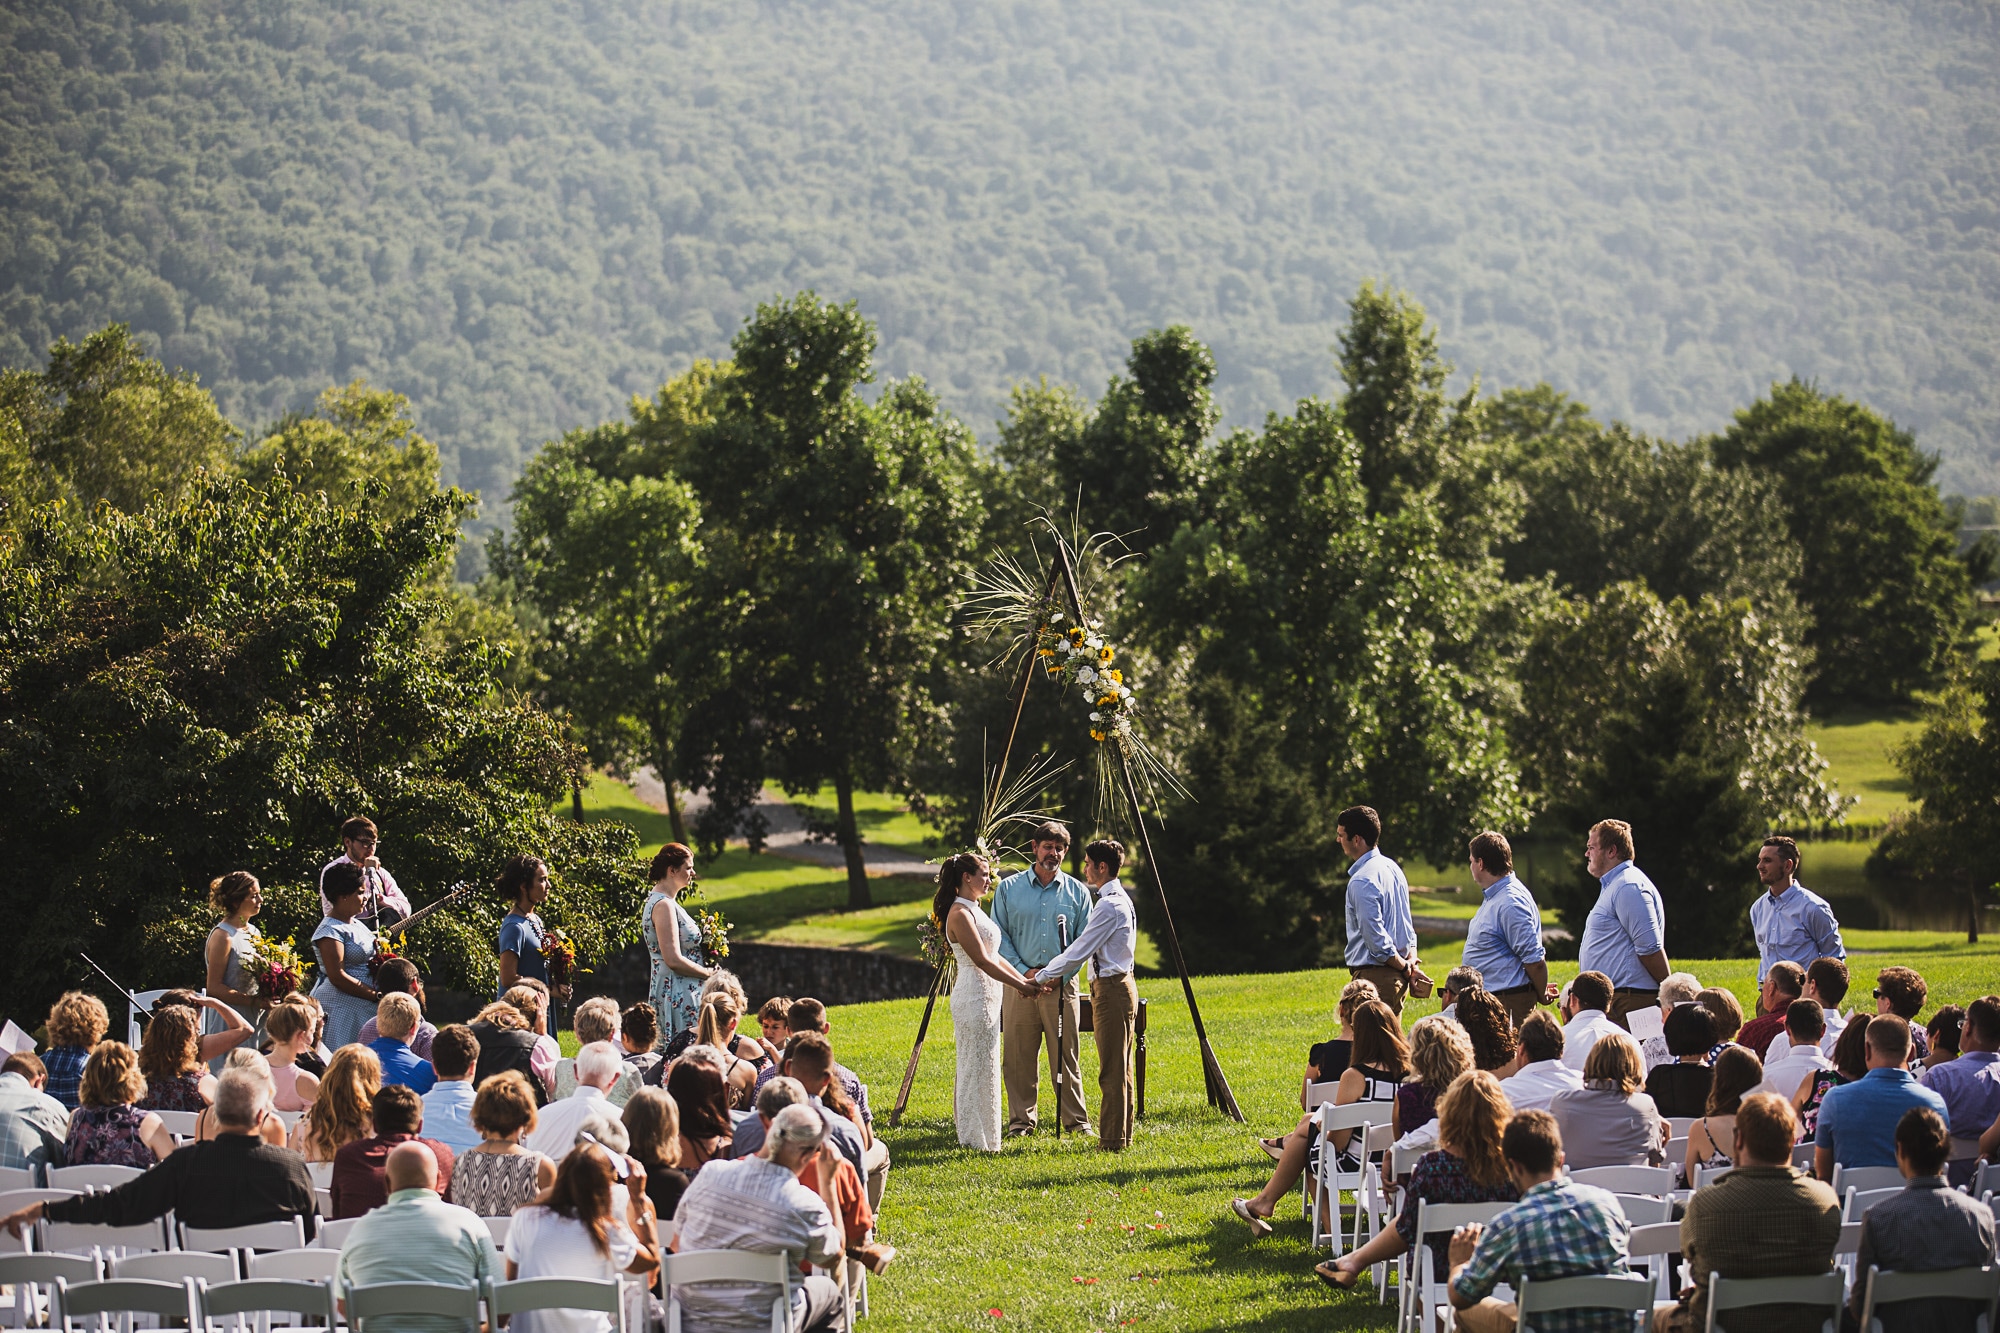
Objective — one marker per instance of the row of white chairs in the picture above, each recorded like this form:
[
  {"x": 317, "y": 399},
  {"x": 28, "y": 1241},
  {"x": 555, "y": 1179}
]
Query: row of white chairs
[{"x": 167, "y": 1234}]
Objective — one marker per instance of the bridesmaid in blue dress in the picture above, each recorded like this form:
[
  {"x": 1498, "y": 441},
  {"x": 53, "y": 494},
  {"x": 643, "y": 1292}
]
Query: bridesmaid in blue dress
[
  {"x": 673, "y": 941},
  {"x": 344, "y": 945}
]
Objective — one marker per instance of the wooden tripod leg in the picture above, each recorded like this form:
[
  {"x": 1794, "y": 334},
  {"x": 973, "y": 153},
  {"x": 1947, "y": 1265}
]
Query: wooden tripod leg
[{"x": 916, "y": 1051}]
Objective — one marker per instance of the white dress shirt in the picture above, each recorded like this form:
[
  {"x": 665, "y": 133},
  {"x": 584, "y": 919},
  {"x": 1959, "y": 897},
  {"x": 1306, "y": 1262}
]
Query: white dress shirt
[
  {"x": 1531, "y": 1088},
  {"x": 1108, "y": 940},
  {"x": 1784, "y": 1076},
  {"x": 556, "y": 1124},
  {"x": 1781, "y": 1045},
  {"x": 1582, "y": 1032}
]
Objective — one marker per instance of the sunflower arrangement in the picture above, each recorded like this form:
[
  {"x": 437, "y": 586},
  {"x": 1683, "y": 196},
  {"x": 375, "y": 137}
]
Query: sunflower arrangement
[
  {"x": 1079, "y": 655},
  {"x": 280, "y": 970},
  {"x": 559, "y": 952},
  {"x": 714, "y": 927}
]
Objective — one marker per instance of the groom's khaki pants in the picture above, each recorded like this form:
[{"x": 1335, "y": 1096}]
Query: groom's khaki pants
[
  {"x": 1114, "y": 1001},
  {"x": 1024, "y": 1024}
]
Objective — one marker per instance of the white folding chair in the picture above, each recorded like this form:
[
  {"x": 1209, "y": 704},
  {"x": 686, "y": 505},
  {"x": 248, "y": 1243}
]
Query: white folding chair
[
  {"x": 250, "y": 1304},
  {"x": 1654, "y": 1180},
  {"x": 1422, "y": 1292},
  {"x": 1825, "y": 1290},
  {"x": 1675, "y": 1153},
  {"x": 1802, "y": 1156},
  {"x": 323, "y": 1202},
  {"x": 333, "y": 1235},
  {"x": 1600, "y": 1291},
  {"x": 82, "y": 1238},
  {"x": 404, "y": 1298},
  {"x": 1706, "y": 1175},
  {"x": 18, "y": 1177},
  {"x": 1846, "y": 1178},
  {"x": 1652, "y": 1247},
  {"x": 307, "y": 1265},
  {"x": 1643, "y": 1210},
  {"x": 1681, "y": 1124},
  {"x": 1986, "y": 1179},
  {"x": 697, "y": 1266},
  {"x": 1965, "y": 1284},
  {"x": 183, "y": 1125},
  {"x": 174, "y": 1265},
  {"x": 1371, "y": 1203},
  {"x": 132, "y": 1011},
  {"x": 168, "y": 1300},
  {"x": 1850, "y": 1239},
  {"x": 1329, "y": 1180},
  {"x": 1855, "y": 1203},
  {"x": 558, "y": 1293},
  {"x": 88, "y": 1177},
  {"x": 12, "y": 1201},
  {"x": 287, "y": 1233},
  {"x": 498, "y": 1228},
  {"x": 1319, "y": 1093},
  {"x": 33, "y": 1278},
  {"x": 289, "y": 1119}
]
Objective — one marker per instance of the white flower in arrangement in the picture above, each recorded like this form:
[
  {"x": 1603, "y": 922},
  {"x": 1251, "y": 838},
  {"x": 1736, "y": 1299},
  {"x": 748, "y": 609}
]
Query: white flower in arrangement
[
  {"x": 1097, "y": 717},
  {"x": 1086, "y": 675}
]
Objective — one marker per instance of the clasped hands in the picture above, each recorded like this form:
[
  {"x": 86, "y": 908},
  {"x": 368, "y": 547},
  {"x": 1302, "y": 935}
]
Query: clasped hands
[{"x": 1033, "y": 976}]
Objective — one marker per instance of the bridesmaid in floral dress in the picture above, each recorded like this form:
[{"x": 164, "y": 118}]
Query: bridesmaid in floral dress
[{"x": 673, "y": 941}]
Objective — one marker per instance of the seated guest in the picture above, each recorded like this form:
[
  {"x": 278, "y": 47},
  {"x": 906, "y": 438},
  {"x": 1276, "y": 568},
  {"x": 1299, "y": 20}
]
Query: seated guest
[
  {"x": 1805, "y": 1023},
  {"x": 1468, "y": 1167},
  {"x": 232, "y": 1029},
  {"x": 774, "y": 1021},
  {"x": 399, "y": 976},
  {"x": 742, "y": 1046},
  {"x": 415, "y": 1236},
  {"x": 1763, "y": 1219},
  {"x": 597, "y": 1019},
  {"x": 639, "y": 1033},
  {"x": 233, "y": 1180},
  {"x": 1440, "y": 1051},
  {"x": 1902, "y": 992},
  {"x": 33, "y": 1125},
  {"x": 809, "y": 1015},
  {"x": 271, "y": 1129},
  {"x": 599, "y": 1066},
  {"x": 1485, "y": 1020},
  {"x": 1680, "y": 1088},
  {"x": 1826, "y": 986},
  {"x": 1857, "y": 1122},
  {"x": 341, "y": 1113},
  {"x": 848, "y": 1201},
  {"x": 448, "y": 1105},
  {"x": 359, "y": 1179},
  {"x": 1785, "y": 983},
  {"x": 576, "y": 1232},
  {"x": 1456, "y": 983},
  {"x": 396, "y": 1018},
  {"x": 1728, "y": 1014},
  {"x": 716, "y": 1026},
  {"x": 506, "y": 1041},
  {"x": 1586, "y": 1018},
  {"x": 77, "y": 1022},
  {"x": 1850, "y": 1065},
  {"x": 170, "y": 1058},
  {"x": 1737, "y": 1075},
  {"x": 1559, "y": 1229},
  {"x": 1945, "y": 1030},
  {"x": 772, "y": 1098},
  {"x": 809, "y": 1059},
  {"x": 1610, "y": 1121},
  {"x": 757, "y": 1204},
  {"x": 291, "y": 1028},
  {"x": 1326, "y": 1061},
  {"x": 1926, "y": 1228},
  {"x": 107, "y": 1129},
  {"x": 499, "y": 1175},
  {"x": 1970, "y": 1085},
  {"x": 1539, "y": 1072},
  {"x": 531, "y": 997},
  {"x": 703, "y": 1098},
  {"x": 1678, "y": 989},
  {"x": 1380, "y": 1063},
  {"x": 653, "y": 1136}
]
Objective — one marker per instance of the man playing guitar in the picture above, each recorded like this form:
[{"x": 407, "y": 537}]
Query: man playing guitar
[{"x": 382, "y": 903}]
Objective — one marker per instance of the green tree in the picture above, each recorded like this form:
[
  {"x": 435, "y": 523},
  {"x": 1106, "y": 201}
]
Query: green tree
[
  {"x": 1889, "y": 597},
  {"x": 844, "y": 531},
  {"x": 356, "y": 436},
  {"x": 105, "y": 422}
]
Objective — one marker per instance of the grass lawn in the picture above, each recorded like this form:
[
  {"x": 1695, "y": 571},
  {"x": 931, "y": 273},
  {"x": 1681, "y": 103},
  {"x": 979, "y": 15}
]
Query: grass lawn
[{"x": 1856, "y": 744}]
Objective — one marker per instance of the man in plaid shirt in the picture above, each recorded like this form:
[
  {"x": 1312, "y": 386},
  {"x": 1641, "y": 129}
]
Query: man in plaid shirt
[{"x": 1558, "y": 1229}]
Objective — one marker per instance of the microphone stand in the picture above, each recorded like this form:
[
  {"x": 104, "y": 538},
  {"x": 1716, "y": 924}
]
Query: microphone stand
[{"x": 1062, "y": 936}]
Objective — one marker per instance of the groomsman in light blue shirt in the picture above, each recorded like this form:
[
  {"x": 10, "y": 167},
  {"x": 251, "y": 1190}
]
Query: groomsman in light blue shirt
[
  {"x": 1625, "y": 935},
  {"x": 1381, "y": 937},
  {"x": 1792, "y": 923},
  {"x": 1505, "y": 939}
]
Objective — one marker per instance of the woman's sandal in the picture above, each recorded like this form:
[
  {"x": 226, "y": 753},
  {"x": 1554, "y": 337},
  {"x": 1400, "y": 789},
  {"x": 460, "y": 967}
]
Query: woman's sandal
[
  {"x": 1259, "y": 1226},
  {"x": 1335, "y": 1278},
  {"x": 1274, "y": 1147}
]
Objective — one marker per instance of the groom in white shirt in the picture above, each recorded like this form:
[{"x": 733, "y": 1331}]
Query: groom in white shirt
[{"x": 1109, "y": 937}]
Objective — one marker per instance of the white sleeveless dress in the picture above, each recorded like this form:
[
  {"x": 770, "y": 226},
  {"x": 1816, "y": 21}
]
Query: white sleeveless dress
[{"x": 975, "y": 1021}]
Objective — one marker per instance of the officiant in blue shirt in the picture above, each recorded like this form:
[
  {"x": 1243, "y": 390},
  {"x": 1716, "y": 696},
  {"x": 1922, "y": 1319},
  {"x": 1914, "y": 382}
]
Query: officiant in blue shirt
[
  {"x": 1039, "y": 911},
  {"x": 1505, "y": 939}
]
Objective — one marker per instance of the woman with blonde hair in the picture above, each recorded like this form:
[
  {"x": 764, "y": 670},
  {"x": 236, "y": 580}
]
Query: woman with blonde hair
[
  {"x": 291, "y": 1027},
  {"x": 1466, "y": 1168},
  {"x": 533, "y": 999},
  {"x": 107, "y": 1128},
  {"x": 342, "y": 1113},
  {"x": 500, "y": 1175},
  {"x": 271, "y": 1129},
  {"x": 720, "y": 1015},
  {"x": 1440, "y": 1050},
  {"x": 653, "y": 1126},
  {"x": 1610, "y": 1121},
  {"x": 170, "y": 1058}
]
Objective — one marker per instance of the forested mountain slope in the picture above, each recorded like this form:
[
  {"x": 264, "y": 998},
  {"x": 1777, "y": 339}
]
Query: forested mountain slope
[{"x": 519, "y": 213}]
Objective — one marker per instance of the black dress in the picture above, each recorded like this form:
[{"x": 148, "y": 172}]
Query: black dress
[
  {"x": 1680, "y": 1090},
  {"x": 1330, "y": 1058},
  {"x": 664, "y": 1186}
]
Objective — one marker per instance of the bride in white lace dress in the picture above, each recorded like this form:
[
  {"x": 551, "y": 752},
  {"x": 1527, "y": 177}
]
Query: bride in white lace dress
[{"x": 975, "y": 998}]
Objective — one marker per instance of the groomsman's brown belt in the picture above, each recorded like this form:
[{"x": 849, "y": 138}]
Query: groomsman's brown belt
[
  {"x": 1522, "y": 989},
  {"x": 1637, "y": 990}
]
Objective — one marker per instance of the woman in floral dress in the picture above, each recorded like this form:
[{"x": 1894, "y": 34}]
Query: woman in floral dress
[{"x": 673, "y": 941}]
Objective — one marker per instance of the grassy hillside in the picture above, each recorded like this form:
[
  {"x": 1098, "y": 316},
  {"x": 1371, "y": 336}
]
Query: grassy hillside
[{"x": 520, "y": 214}]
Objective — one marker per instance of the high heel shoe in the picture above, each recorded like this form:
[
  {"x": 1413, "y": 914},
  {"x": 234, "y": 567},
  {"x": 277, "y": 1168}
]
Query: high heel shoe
[{"x": 1258, "y": 1226}]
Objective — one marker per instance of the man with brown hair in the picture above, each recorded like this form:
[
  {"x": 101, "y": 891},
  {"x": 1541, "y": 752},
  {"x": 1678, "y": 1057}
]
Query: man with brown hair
[
  {"x": 1107, "y": 943},
  {"x": 1927, "y": 1228},
  {"x": 1784, "y": 983},
  {"x": 1039, "y": 911},
  {"x": 1970, "y": 1085},
  {"x": 358, "y": 839},
  {"x": 1764, "y": 1219},
  {"x": 1504, "y": 941},
  {"x": 1789, "y": 920},
  {"x": 1625, "y": 935},
  {"x": 1857, "y": 1121},
  {"x": 1381, "y": 935}
]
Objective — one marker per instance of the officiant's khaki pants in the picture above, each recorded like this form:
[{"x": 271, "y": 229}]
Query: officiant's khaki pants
[
  {"x": 1024, "y": 1024},
  {"x": 1113, "y": 1003}
]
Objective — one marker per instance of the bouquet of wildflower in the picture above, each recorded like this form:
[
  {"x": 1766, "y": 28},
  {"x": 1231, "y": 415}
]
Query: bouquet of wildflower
[
  {"x": 1079, "y": 655},
  {"x": 383, "y": 955},
  {"x": 932, "y": 946},
  {"x": 559, "y": 953},
  {"x": 714, "y": 927},
  {"x": 278, "y": 970}
]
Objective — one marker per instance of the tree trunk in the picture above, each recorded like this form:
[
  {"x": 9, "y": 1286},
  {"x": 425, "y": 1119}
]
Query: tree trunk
[
  {"x": 849, "y": 837},
  {"x": 576, "y": 799},
  {"x": 673, "y": 809},
  {"x": 1972, "y": 917}
]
